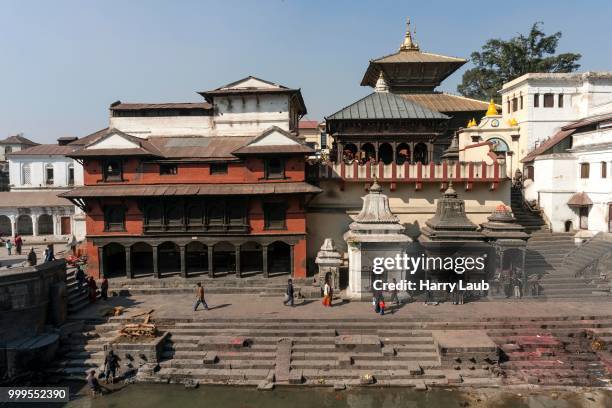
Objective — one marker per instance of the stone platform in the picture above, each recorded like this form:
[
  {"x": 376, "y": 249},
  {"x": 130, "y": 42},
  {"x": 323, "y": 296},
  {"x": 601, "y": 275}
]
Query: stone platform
[{"x": 254, "y": 340}]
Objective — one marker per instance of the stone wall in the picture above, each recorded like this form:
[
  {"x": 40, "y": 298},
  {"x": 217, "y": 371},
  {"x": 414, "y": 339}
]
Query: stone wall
[{"x": 30, "y": 298}]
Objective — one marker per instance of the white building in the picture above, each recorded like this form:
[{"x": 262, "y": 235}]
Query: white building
[
  {"x": 571, "y": 177},
  {"x": 7, "y": 146},
  {"x": 242, "y": 108},
  {"x": 31, "y": 208}
]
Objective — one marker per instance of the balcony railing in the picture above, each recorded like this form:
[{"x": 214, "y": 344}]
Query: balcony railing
[{"x": 468, "y": 172}]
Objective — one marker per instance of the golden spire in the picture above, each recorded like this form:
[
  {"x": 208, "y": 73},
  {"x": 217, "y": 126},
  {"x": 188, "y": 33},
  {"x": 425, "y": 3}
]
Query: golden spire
[
  {"x": 512, "y": 122},
  {"x": 409, "y": 44},
  {"x": 472, "y": 123},
  {"x": 492, "y": 111},
  {"x": 381, "y": 84}
]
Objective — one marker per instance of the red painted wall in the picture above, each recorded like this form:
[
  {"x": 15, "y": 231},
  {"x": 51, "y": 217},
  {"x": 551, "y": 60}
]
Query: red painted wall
[{"x": 251, "y": 170}]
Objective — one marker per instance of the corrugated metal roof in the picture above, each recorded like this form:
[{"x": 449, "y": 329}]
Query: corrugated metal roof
[
  {"x": 386, "y": 105},
  {"x": 547, "y": 144},
  {"x": 443, "y": 102},
  {"x": 147, "y": 106},
  {"x": 45, "y": 149},
  {"x": 199, "y": 147},
  {"x": 191, "y": 189},
  {"x": 32, "y": 199}
]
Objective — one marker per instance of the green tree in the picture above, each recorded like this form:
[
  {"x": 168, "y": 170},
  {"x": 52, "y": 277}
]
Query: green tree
[{"x": 501, "y": 61}]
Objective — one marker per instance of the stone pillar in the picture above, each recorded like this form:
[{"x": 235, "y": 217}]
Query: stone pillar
[
  {"x": 329, "y": 260},
  {"x": 128, "y": 263},
  {"x": 183, "y": 263},
  {"x": 264, "y": 256},
  {"x": 34, "y": 219},
  {"x": 340, "y": 147},
  {"x": 211, "y": 266},
  {"x": 100, "y": 261},
  {"x": 155, "y": 265},
  {"x": 55, "y": 218},
  {"x": 291, "y": 259},
  {"x": 238, "y": 272},
  {"x": 13, "y": 226}
]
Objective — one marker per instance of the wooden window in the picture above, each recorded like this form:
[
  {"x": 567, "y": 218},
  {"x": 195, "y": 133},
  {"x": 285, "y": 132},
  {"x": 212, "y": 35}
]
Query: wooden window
[
  {"x": 323, "y": 140},
  {"x": 71, "y": 174},
  {"x": 560, "y": 101},
  {"x": 536, "y": 100},
  {"x": 549, "y": 100},
  {"x": 112, "y": 170},
  {"x": 65, "y": 226},
  {"x": 218, "y": 168},
  {"x": 216, "y": 214},
  {"x": 521, "y": 102},
  {"x": 168, "y": 169},
  {"x": 174, "y": 215},
  {"x": 26, "y": 175},
  {"x": 275, "y": 215},
  {"x": 195, "y": 215},
  {"x": 236, "y": 212},
  {"x": 584, "y": 170},
  {"x": 508, "y": 105},
  {"x": 154, "y": 215},
  {"x": 275, "y": 168},
  {"x": 49, "y": 174},
  {"x": 114, "y": 218},
  {"x": 530, "y": 173},
  {"x": 514, "y": 104},
  {"x": 604, "y": 170},
  {"x": 584, "y": 218}
]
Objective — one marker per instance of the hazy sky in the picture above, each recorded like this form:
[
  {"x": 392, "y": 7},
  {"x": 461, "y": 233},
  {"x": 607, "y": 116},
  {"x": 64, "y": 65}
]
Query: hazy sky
[{"x": 64, "y": 62}]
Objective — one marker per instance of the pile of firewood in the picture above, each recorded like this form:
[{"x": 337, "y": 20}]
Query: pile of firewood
[{"x": 135, "y": 330}]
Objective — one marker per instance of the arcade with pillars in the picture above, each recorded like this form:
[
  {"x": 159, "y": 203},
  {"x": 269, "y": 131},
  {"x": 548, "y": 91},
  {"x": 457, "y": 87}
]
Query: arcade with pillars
[
  {"x": 386, "y": 152},
  {"x": 134, "y": 257}
]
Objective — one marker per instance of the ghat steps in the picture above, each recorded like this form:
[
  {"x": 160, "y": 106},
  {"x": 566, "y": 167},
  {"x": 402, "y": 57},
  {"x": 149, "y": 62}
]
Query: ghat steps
[{"x": 408, "y": 352}]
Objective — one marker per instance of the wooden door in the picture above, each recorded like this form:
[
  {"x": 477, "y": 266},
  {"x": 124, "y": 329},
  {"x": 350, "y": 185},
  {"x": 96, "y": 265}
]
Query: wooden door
[
  {"x": 65, "y": 226},
  {"x": 584, "y": 218}
]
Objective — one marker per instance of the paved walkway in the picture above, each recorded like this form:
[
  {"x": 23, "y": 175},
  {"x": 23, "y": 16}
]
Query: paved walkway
[{"x": 257, "y": 307}]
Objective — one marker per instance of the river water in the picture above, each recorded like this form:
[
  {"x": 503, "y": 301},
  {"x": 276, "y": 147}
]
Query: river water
[{"x": 165, "y": 395}]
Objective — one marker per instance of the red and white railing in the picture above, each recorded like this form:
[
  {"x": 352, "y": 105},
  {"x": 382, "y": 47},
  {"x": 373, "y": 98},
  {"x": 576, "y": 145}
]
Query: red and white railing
[{"x": 467, "y": 172}]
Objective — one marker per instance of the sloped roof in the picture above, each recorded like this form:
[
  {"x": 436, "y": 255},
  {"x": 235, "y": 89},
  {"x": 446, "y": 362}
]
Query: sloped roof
[
  {"x": 386, "y": 105},
  {"x": 580, "y": 200},
  {"x": 167, "y": 190},
  {"x": 120, "y": 106},
  {"x": 417, "y": 57},
  {"x": 44, "y": 150},
  {"x": 274, "y": 148},
  {"x": 213, "y": 148},
  {"x": 443, "y": 102},
  {"x": 548, "y": 144},
  {"x": 18, "y": 139},
  {"x": 143, "y": 147},
  {"x": 32, "y": 199},
  {"x": 308, "y": 124},
  {"x": 90, "y": 138}
]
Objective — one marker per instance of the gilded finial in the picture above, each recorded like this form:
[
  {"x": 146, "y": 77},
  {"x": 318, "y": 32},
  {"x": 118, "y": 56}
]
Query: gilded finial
[
  {"x": 492, "y": 110},
  {"x": 409, "y": 44},
  {"x": 472, "y": 123},
  {"x": 512, "y": 122}
]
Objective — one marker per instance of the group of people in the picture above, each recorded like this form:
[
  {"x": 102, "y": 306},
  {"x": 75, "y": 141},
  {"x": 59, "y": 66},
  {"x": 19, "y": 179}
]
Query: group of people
[
  {"x": 17, "y": 243},
  {"x": 89, "y": 284}
]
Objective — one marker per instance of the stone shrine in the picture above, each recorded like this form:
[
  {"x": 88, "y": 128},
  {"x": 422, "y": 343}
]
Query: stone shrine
[
  {"x": 509, "y": 242},
  {"x": 374, "y": 232},
  {"x": 329, "y": 260}
]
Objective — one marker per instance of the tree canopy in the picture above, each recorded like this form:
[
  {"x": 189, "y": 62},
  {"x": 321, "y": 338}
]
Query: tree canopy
[{"x": 501, "y": 61}]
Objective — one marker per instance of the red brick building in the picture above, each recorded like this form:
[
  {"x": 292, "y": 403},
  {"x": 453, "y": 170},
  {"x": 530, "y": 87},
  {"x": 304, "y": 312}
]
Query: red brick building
[{"x": 222, "y": 202}]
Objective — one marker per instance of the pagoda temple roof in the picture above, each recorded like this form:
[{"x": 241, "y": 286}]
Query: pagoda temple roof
[
  {"x": 410, "y": 69},
  {"x": 385, "y": 105}
]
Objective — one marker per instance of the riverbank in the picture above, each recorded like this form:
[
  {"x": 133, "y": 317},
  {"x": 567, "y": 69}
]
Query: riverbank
[{"x": 167, "y": 395}]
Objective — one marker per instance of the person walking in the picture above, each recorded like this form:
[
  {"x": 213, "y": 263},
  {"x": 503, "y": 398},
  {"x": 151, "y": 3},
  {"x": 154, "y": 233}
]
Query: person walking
[
  {"x": 111, "y": 363},
  {"x": 18, "y": 244},
  {"x": 200, "y": 298},
  {"x": 32, "y": 257},
  {"x": 91, "y": 284},
  {"x": 104, "y": 288},
  {"x": 50, "y": 256},
  {"x": 9, "y": 246},
  {"x": 327, "y": 294},
  {"x": 79, "y": 276},
  {"x": 381, "y": 304},
  {"x": 289, "y": 294}
]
